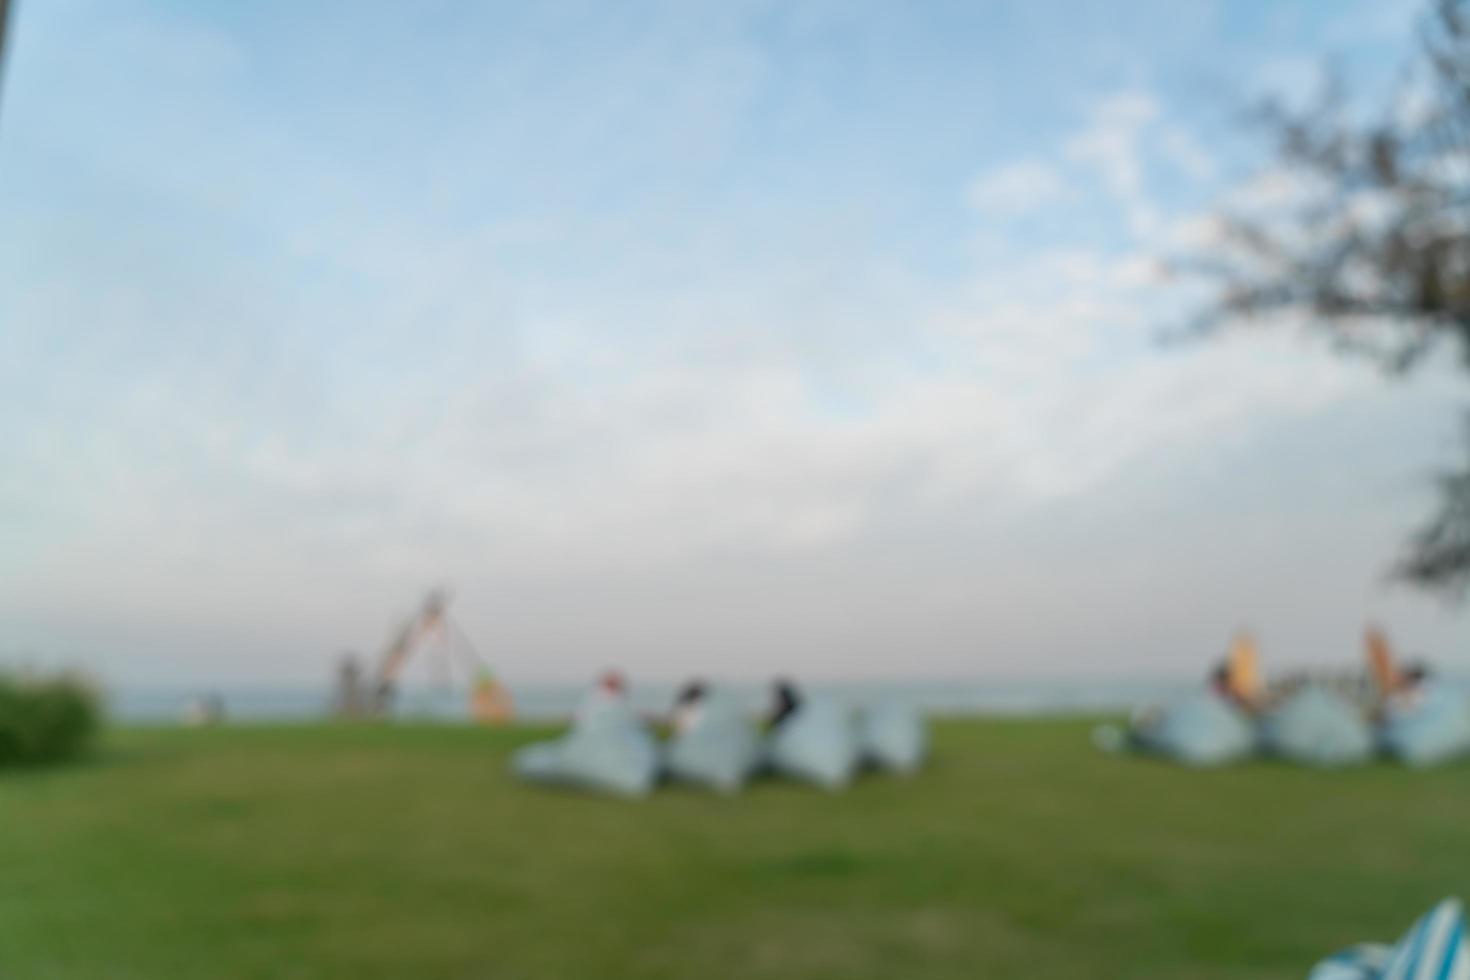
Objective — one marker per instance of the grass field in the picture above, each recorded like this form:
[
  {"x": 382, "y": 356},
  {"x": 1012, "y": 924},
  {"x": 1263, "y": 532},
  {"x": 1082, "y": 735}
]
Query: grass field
[{"x": 362, "y": 852}]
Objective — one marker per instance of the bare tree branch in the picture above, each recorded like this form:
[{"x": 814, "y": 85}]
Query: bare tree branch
[{"x": 1371, "y": 247}]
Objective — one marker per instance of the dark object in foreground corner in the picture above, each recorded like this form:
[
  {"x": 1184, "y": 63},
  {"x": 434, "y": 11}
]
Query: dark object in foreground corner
[{"x": 45, "y": 719}]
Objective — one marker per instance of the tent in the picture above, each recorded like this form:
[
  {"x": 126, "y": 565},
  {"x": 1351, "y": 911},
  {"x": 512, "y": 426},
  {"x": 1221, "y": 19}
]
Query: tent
[
  {"x": 608, "y": 750},
  {"x": 817, "y": 744},
  {"x": 1315, "y": 727},
  {"x": 892, "y": 737},
  {"x": 719, "y": 751},
  {"x": 1431, "y": 731},
  {"x": 1201, "y": 730}
]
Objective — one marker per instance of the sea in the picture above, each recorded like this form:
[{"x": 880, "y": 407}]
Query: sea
[{"x": 555, "y": 701}]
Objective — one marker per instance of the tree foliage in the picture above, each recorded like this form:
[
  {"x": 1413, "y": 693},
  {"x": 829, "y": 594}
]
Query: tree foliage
[
  {"x": 45, "y": 719},
  {"x": 1370, "y": 243}
]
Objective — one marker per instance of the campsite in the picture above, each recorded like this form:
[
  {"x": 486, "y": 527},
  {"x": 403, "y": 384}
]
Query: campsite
[{"x": 735, "y": 490}]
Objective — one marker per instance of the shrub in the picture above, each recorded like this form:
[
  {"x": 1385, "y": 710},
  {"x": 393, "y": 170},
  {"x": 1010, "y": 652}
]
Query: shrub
[{"x": 45, "y": 719}]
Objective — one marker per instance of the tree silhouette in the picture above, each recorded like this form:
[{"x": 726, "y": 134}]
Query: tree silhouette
[{"x": 1370, "y": 245}]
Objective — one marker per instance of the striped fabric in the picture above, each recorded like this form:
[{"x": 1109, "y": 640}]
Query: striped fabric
[
  {"x": 1434, "y": 949},
  {"x": 1363, "y": 962}
]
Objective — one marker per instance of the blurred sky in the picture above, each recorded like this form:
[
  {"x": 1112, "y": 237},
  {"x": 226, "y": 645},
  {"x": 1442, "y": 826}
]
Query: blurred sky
[{"x": 723, "y": 337}]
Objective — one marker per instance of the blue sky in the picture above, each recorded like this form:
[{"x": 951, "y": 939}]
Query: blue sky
[{"x": 725, "y": 337}]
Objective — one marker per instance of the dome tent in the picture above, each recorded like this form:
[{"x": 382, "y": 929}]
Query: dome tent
[
  {"x": 1315, "y": 727},
  {"x": 817, "y": 744},
  {"x": 892, "y": 737},
  {"x": 608, "y": 750},
  {"x": 1434, "y": 730},
  {"x": 1201, "y": 730},
  {"x": 720, "y": 751}
]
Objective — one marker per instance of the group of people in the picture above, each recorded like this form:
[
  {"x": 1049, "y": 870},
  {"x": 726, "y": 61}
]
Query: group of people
[
  {"x": 1314, "y": 719},
  {"x": 1383, "y": 687},
  {"x": 690, "y": 702},
  {"x": 714, "y": 742}
]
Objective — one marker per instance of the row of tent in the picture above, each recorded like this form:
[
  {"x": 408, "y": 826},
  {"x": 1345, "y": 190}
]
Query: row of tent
[
  {"x": 610, "y": 749},
  {"x": 1315, "y": 726}
]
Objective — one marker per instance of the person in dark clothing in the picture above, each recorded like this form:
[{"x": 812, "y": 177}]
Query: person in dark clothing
[
  {"x": 785, "y": 702},
  {"x": 1220, "y": 679}
]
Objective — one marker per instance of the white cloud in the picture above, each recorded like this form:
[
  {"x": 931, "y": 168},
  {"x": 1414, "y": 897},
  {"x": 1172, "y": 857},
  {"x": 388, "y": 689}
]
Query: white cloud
[
  {"x": 1296, "y": 77},
  {"x": 1110, "y": 143},
  {"x": 1138, "y": 271},
  {"x": 1186, "y": 153},
  {"x": 1016, "y": 189},
  {"x": 1192, "y": 232},
  {"x": 565, "y": 467},
  {"x": 625, "y": 421},
  {"x": 1271, "y": 192}
]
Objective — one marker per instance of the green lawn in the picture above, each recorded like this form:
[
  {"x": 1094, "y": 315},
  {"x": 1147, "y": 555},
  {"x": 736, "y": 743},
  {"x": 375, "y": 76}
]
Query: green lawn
[{"x": 362, "y": 852}]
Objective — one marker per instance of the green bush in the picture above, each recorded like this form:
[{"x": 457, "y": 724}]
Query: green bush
[{"x": 45, "y": 719}]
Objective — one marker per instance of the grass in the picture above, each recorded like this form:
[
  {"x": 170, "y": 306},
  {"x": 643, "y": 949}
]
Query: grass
[{"x": 362, "y": 852}]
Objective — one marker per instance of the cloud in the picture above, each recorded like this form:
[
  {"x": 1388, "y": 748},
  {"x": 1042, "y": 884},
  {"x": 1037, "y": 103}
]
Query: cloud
[
  {"x": 1110, "y": 143},
  {"x": 1186, "y": 153},
  {"x": 404, "y": 449},
  {"x": 269, "y": 367},
  {"x": 1016, "y": 189}
]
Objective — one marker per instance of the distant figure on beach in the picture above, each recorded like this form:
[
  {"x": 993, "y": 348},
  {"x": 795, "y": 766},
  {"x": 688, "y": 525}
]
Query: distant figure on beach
[
  {"x": 352, "y": 698},
  {"x": 688, "y": 707},
  {"x": 385, "y": 692},
  {"x": 785, "y": 700},
  {"x": 206, "y": 710}
]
